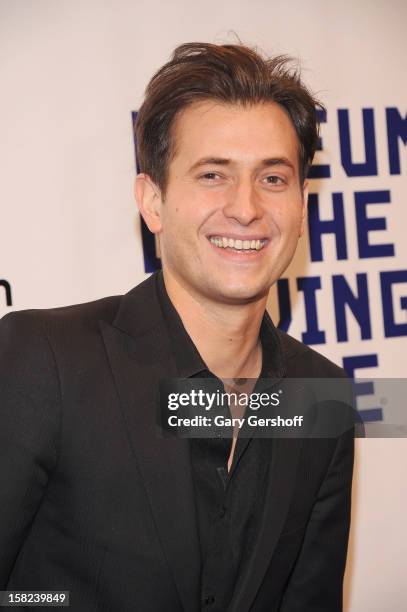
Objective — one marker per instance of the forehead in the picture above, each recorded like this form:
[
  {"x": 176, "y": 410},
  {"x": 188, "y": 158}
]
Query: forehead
[{"x": 240, "y": 133}]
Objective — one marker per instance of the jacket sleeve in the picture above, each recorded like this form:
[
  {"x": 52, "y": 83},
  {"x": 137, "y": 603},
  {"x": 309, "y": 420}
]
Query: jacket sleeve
[
  {"x": 316, "y": 582},
  {"x": 29, "y": 425}
]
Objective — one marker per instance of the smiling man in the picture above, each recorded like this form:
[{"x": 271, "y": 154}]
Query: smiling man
[{"x": 93, "y": 501}]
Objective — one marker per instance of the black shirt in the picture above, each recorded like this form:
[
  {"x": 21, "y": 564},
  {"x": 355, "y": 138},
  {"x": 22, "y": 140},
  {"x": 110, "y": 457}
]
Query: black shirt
[{"x": 229, "y": 505}]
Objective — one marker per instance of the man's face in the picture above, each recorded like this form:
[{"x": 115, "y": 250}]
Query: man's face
[{"x": 234, "y": 206}]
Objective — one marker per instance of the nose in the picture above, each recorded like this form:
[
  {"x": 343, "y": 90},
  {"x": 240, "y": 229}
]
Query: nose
[{"x": 242, "y": 203}]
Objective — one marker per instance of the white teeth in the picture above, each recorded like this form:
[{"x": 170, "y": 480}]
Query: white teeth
[{"x": 239, "y": 245}]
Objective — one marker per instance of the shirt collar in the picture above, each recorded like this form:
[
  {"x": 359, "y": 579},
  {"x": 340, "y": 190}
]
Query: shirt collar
[{"x": 186, "y": 356}]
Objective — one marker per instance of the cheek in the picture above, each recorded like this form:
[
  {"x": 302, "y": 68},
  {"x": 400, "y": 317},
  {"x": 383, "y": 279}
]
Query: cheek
[
  {"x": 189, "y": 210},
  {"x": 286, "y": 217}
]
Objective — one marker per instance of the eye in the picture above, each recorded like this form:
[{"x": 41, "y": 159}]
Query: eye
[
  {"x": 272, "y": 179},
  {"x": 210, "y": 176}
]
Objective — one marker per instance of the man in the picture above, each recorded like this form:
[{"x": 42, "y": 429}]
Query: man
[{"x": 95, "y": 502}]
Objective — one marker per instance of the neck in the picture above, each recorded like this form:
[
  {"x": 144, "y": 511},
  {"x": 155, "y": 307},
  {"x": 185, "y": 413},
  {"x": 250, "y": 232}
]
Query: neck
[{"x": 226, "y": 335}]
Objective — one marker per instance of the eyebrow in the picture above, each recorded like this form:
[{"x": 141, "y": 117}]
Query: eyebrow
[{"x": 220, "y": 161}]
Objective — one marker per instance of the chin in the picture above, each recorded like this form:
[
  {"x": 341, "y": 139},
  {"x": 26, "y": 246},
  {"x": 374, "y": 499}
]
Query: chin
[{"x": 240, "y": 293}]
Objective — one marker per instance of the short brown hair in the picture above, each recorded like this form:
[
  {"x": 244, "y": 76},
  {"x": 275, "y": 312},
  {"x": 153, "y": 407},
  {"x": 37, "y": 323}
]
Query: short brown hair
[{"x": 230, "y": 74}]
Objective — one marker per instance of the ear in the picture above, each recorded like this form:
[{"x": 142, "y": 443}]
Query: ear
[
  {"x": 304, "y": 207},
  {"x": 149, "y": 201}
]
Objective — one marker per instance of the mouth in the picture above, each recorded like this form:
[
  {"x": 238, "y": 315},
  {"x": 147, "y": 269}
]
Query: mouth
[{"x": 238, "y": 245}]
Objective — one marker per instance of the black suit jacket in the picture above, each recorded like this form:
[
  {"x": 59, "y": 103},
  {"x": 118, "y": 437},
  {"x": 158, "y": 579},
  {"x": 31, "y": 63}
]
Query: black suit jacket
[{"x": 94, "y": 502}]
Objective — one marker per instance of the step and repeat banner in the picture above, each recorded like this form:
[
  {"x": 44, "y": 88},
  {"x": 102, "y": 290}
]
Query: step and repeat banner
[{"x": 73, "y": 75}]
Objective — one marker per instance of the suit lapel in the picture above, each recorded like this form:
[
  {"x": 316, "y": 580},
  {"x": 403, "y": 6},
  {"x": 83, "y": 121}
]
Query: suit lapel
[
  {"x": 280, "y": 488},
  {"x": 140, "y": 355}
]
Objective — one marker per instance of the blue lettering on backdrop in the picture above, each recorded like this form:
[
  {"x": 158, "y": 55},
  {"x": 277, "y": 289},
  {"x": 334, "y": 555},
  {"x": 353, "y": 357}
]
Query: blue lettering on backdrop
[
  {"x": 369, "y": 166},
  {"x": 318, "y": 227},
  {"x": 356, "y": 362},
  {"x": 387, "y": 280},
  {"x": 320, "y": 170},
  {"x": 396, "y": 128},
  {"x": 309, "y": 285},
  {"x": 365, "y": 224},
  {"x": 357, "y": 304}
]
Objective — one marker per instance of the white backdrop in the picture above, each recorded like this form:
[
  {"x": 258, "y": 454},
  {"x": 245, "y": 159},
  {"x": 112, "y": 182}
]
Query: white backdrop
[{"x": 72, "y": 72}]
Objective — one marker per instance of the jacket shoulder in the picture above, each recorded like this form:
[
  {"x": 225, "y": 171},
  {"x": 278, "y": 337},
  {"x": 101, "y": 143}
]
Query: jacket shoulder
[
  {"x": 65, "y": 317},
  {"x": 303, "y": 361},
  {"x": 34, "y": 338}
]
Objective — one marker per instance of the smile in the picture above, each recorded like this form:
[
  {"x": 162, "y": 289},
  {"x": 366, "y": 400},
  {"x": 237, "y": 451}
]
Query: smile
[{"x": 237, "y": 244}]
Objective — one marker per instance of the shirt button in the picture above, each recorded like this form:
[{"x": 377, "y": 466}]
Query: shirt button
[
  {"x": 209, "y": 600},
  {"x": 222, "y": 512}
]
